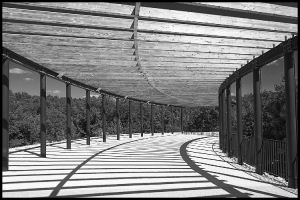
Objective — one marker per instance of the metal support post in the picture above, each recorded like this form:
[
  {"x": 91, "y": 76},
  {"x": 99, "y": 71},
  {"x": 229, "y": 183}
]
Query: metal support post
[
  {"x": 290, "y": 119},
  {"x": 229, "y": 136},
  {"x": 220, "y": 123},
  {"x": 181, "y": 119},
  {"x": 68, "y": 91},
  {"x": 162, "y": 120},
  {"x": 130, "y": 120},
  {"x": 88, "y": 107},
  {"x": 224, "y": 132},
  {"x": 239, "y": 119},
  {"x": 5, "y": 113},
  {"x": 257, "y": 120},
  {"x": 142, "y": 119},
  {"x": 151, "y": 119},
  {"x": 104, "y": 117},
  {"x": 43, "y": 115},
  {"x": 118, "y": 118},
  {"x": 172, "y": 119}
]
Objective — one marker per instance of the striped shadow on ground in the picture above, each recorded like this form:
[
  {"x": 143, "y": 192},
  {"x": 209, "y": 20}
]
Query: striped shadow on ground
[{"x": 153, "y": 166}]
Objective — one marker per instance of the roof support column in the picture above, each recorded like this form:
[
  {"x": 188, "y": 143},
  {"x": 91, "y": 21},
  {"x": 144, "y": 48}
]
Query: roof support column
[
  {"x": 142, "y": 119},
  {"x": 239, "y": 119},
  {"x": 151, "y": 119},
  {"x": 229, "y": 136},
  {"x": 43, "y": 115},
  {"x": 68, "y": 91},
  {"x": 130, "y": 120},
  {"x": 220, "y": 122},
  {"x": 104, "y": 117},
  {"x": 118, "y": 118},
  {"x": 290, "y": 119},
  {"x": 181, "y": 119},
  {"x": 162, "y": 120},
  {"x": 172, "y": 119},
  {"x": 5, "y": 113},
  {"x": 88, "y": 106},
  {"x": 257, "y": 120},
  {"x": 224, "y": 133}
]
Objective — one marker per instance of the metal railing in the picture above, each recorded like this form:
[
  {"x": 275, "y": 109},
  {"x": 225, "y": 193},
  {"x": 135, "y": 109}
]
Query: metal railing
[{"x": 274, "y": 157}]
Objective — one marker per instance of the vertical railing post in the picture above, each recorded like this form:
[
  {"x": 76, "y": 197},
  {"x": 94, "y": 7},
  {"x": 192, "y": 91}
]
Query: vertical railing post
[
  {"x": 239, "y": 119},
  {"x": 220, "y": 122},
  {"x": 5, "y": 113},
  {"x": 151, "y": 119},
  {"x": 68, "y": 92},
  {"x": 43, "y": 114},
  {"x": 181, "y": 118},
  {"x": 172, "y": 119},
  {"x": 88, "y": 107},
  {"x": 228, "y": 97},
  {"x": 290, "y": 119},
  {"x": 257, "y": 120},
  {"x": 118, "y": 118},
  {"x": 295, "y": 56},
  {"x": 130, "y": 119},
  {"x": 142, "y": 119},
  {"x": 104, "y": 117},
  {"x": 162, "y": 119},
  {"x": 224, "y": 132}
]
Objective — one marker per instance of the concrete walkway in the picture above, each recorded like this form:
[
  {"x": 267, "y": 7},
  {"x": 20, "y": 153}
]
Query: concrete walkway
[{"x": 151, "y": 166}]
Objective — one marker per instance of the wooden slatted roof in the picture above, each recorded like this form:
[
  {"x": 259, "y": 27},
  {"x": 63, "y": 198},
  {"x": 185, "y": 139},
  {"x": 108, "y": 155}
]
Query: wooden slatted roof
[{"x": 171, "y": 53}]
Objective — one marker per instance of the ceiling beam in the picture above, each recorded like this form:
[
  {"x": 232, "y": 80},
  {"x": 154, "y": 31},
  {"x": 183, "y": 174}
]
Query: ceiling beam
[{"x": 252, "y": 7}]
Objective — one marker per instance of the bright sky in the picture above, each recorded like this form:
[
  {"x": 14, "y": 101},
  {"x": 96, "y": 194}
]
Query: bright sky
[
  {"x": 270, "y": 75},
  {"x": 24, "y": 80}
]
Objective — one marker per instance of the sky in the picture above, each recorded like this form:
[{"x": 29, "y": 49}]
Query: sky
[
  {"x": 22, "y": 79},
  {"x": 270, "y": 75}
]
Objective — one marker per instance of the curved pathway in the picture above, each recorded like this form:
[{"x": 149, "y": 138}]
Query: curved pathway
[{"x": 150, "y": 166}]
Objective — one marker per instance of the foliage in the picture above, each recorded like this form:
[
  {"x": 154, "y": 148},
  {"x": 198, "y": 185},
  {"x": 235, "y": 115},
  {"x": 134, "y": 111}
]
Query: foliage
[{"x": 24, "y": 117}]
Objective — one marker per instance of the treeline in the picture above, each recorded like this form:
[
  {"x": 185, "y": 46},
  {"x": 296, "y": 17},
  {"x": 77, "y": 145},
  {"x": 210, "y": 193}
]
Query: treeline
[
  {"x": 273, "y": 113},
  {"x": 24, "y": 117}
]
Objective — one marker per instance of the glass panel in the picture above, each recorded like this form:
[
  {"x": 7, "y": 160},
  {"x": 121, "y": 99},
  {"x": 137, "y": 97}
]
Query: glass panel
[
  {"x": 233, "y": 109},
  {"x": 273, "y": 100},
  {"x": 24, "y": 106},
  {"x": 247, "y": 105}
]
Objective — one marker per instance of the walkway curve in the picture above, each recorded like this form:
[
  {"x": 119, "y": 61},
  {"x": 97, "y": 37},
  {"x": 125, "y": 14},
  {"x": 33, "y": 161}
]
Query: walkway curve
[
  {"x": 153, "y": 166},
  {"x": 60, "y": 185}
]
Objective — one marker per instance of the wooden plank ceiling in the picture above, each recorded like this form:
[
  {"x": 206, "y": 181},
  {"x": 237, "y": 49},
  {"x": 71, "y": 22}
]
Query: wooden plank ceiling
[{"x": 171, "y": 53}]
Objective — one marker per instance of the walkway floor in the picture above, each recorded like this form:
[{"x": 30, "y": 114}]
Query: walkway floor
[{"x": 151, "y": 166}]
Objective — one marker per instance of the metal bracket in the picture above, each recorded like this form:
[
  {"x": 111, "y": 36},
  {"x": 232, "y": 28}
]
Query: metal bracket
[
  {"x": 5, "y": 53},
  {"x": 42, "y": 72},
  {"x": 226, "y": 83},
  {"x": 5, "y": 57},
  {"x": 287, "y": 46},
  {"x": 237, "y": 73},
  {"x": 60, "y": 75},
  {"x": 254, "y": 63}
]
